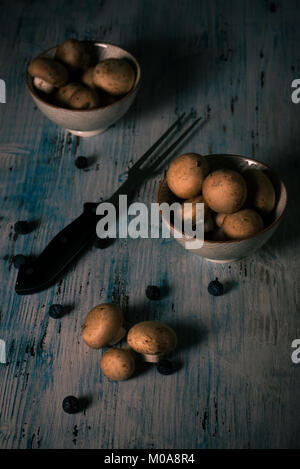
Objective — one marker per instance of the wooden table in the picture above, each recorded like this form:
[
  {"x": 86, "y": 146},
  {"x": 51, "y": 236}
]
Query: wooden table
[{"x": 236, "y": 386}]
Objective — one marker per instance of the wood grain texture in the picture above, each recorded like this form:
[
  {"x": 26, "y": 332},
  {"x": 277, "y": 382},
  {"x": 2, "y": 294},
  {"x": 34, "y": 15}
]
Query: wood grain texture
[{"x": 236, "y": 386}]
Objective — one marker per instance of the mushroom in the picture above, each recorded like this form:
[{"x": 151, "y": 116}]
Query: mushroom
[
  {"x": 189, "y": 212},
  {"x": 186, "y": 175},
  {"x": 224, "y": 190},
  {"x": 242, "y": 224},
  {"x": 219, "y": 218},
  {"x": 118, "y": 364},
  {"x": 115, "y": 76},
  {"x": 87, "y": 78},
  {"x": 103, "y": 326},
  {"x": 261, "y": 192},
  {"x": 47, "y": 74},
  {"x": 73, "y": 54},
  {"x": 152, "y": 339},
  {"x": 76, "y": 96}
]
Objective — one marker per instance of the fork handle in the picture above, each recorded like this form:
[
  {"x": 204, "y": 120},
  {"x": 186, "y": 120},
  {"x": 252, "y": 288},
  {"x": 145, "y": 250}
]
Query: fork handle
[{"x": 58, "y": 255}]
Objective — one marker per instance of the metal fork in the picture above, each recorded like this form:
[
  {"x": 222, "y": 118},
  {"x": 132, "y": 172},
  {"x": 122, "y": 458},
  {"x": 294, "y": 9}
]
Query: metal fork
[{"x": 78, "y": 235}]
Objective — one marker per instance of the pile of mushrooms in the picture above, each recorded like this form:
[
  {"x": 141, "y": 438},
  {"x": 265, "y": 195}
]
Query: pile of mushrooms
[
  {"x": 236, "y": 204},
  {"x": 103, "y": 326},
  {"x": 73, "y": 80}
]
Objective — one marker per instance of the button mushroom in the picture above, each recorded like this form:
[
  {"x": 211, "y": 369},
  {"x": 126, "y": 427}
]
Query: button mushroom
[
  {"x": 152, "y": 339},
  {"x": 261, "y": 192},
  {"x": 118, "y": 364},
  {"x": 219, "y": 218},
  {"x": 103, "y": 326},
  {"x": 47, "y": 74},
  {"x": 186, "y": 174},
  {"x": 73, "y": 54},
  {"x": 242, "y": 224},
  {"x": 189, "y": 212},
  {"x": 224, "y": 190},
  {"x": 87, "y": 78},
  {"x": 115, "y": 76},
  {"x": 77, "y": 96}
]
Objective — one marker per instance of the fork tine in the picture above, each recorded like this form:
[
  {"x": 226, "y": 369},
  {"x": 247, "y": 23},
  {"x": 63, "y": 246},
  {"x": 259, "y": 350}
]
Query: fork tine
[
  {"x": 143, "y": 158},
  {"x": 172, "y": 147}
]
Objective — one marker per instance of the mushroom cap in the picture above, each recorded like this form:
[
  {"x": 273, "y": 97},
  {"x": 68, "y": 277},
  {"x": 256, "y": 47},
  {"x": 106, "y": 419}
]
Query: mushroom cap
[
  {"x": 219, "y": 218},
  {"x": 186, "y": 175},
  {"x": 49, "y": 70},
  {"x": 84, "y": 98},
  {"x": 64, "y": 93},
  {"x": 117, "y": 364},
  {"x": 102, "y": 324},
  {"x": 190, "y": 213},
  {"x": 240, "y": 225},
  {"x": 88, "y": 78},
  {"x": 224, "y": 190},
  {"x": 151, "y": 337},
  {"x": 115, "y": 76},
  {"x": 73, "y": 54},
  {"x": 77, "y": 96},
  {"x": 261, "y": 192}
]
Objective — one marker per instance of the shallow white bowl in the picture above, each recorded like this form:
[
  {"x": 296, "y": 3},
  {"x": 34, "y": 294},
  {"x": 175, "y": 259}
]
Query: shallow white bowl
[
  {"x": 229, "y": 251},
  {"x": 89, "y": 122}
]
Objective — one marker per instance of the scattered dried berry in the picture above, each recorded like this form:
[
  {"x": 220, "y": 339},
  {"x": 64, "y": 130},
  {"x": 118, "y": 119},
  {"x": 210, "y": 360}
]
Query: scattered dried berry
[
  {"x": 56, "y": 311},
  {"x": 22, "y": 227},
  {"x": 215, "y": 288},
  {"x": 81, "y": 162},
  {"x": 153, "y": 292},
  {"x": 71, "y": 405},
  {"x": 19, "y": 260}
]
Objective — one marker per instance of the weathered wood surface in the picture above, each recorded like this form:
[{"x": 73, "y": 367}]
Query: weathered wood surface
[{"x": 237, "y": 386}]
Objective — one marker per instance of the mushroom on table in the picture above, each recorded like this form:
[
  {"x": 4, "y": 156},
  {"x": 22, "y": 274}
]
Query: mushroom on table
[
  {"x": 118, "y": 364},
  {"x": 152, "y": 339},
  {"x": 103, "y": 326}
]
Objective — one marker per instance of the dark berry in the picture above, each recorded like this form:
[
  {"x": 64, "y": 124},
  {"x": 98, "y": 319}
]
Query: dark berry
[
  {"x": 81, "y": 162},
  {"x": 165, "y": 367},
  {"x": 22, "y": 227},
  {"x": 215, "y": 288},
  {"x": 56, "y": 311},
  {"x": 153, "y": 292},
  {"x": 100, "y": 243},
  {"x": 71, "y": 405},
  {"x": 19, "y": 260}
]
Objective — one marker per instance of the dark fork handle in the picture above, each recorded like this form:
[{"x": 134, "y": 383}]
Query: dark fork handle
[{"x": 59, "y": 253}]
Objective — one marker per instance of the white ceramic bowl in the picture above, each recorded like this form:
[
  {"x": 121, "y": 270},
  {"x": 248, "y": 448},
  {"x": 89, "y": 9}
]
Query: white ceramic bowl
[
  {"x": 229, "y": 251},
  {"x": 89, "y": 122}
]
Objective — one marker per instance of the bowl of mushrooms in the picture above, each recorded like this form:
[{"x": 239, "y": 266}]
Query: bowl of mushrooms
[
  {"x": 244, "y": 202},
  {"x": 83, "y": 86}
]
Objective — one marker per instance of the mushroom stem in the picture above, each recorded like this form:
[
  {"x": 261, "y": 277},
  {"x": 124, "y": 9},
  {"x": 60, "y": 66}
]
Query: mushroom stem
[
  {"x": 119, "y": 335},
  {"x": 43, "y": 85},
  {"x": 151, "y": 358}
]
